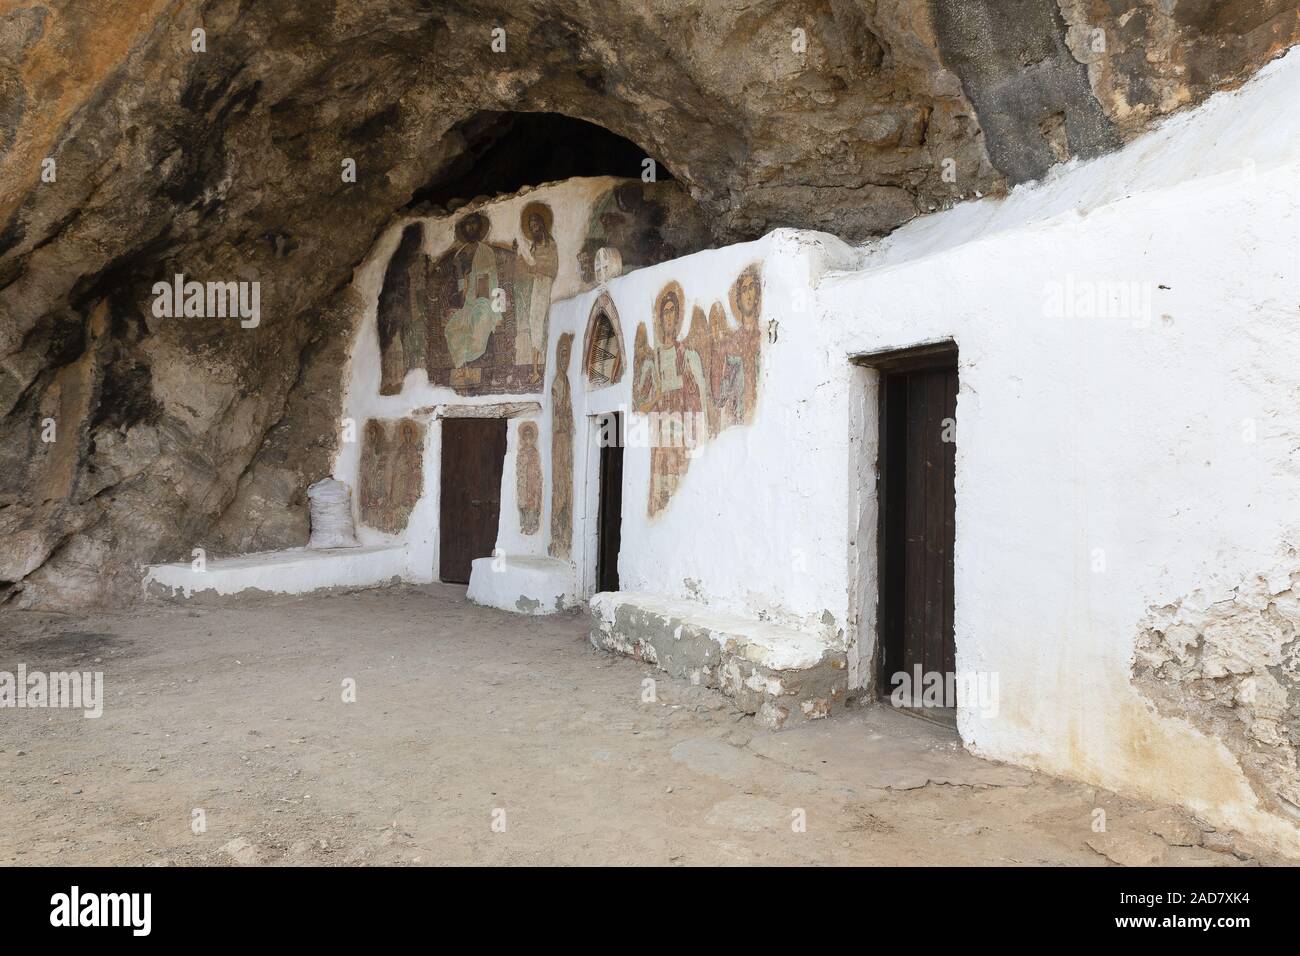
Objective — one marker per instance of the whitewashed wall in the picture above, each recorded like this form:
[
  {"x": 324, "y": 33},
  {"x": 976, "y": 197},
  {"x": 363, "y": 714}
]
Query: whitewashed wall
[
  {"x": 747, "y": 528},
  {"x": 1101, "y": 465},
  {"x": 1104, "y": 465}
]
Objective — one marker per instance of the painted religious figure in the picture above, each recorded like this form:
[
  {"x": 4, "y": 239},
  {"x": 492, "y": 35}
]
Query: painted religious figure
[
  {"x": 476, "y": 288},
  {"x": 624, "y": 219},
  {"x": 691, "y": 390},
  {"x": 372, "y": 480},
  {"x": 535, "y": 272},
  {"x": 734, "y": 354},
  {"x": 401, "y": 309},
  {"x": 489, "y": 304},
  {"x": 562, "y": 452},
  {"x": 528, "y": 479},
  {"x": 392, "y": 473},
  {"x": 670, "y": 390}
]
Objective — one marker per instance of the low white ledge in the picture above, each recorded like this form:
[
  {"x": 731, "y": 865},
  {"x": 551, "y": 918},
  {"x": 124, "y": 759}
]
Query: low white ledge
[
  {"x": 524, "y": 585},
  {"x": 294, "y": 571}
]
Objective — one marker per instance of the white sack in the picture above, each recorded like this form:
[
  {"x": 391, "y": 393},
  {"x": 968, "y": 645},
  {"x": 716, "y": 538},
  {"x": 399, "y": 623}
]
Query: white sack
[{"x": 331, "y": 515}]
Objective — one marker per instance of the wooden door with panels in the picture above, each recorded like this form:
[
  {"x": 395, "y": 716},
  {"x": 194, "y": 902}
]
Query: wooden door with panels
[{"x": 473, "y": 456}]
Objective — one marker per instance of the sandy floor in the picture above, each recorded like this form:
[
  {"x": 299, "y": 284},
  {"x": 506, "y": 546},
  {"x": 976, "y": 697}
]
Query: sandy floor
[{"x": 465, "y": 717}]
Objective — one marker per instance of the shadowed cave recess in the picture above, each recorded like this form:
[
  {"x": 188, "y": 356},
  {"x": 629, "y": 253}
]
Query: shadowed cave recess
[{"x": 226, "y": 163}]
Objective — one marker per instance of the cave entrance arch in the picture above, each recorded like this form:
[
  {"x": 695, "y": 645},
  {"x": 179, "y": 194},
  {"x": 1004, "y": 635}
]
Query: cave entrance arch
[{"x": 506, "y": 151}]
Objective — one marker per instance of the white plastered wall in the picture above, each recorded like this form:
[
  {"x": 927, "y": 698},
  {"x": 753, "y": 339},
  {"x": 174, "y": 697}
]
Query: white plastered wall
[
  {"x": 1101, "y": 469},
  {"x": 746, "y": 530},
  {"x": 1102, "y": 463}
]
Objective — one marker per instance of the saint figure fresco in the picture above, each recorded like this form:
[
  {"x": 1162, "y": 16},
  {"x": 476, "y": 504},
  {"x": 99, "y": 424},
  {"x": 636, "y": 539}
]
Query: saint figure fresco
[
  {"x": 392, "y": 473},
  {"x": 474, "y": 313},
  {"x": 528, "y": 479},
  {"x": 372, "y": 479},
  {"x": 471, "y": 300},
  {"x": 562, "y": 452},
  {"x": 476, "y": 318},
  {"x": 535, "y": 272},
  {"x": 401, "y": 310}
]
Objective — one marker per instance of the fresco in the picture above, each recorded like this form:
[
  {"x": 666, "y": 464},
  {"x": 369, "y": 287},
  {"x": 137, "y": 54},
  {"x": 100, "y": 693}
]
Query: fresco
[
  {"x": 538, "y": 265},
  {"x": 629, "y": 219},
  {"x": 401, "y": 312},
  {"x": 471, "y": 307},
  {"x": 604, "y": 345},
  {"x": 692, "y": 388},
  {"x": 734, "y": 354},
  {"x": 475, "y": 318},
  {"x": 391, "y": 473},
  {"x": 488, "y": 306},
  {"x": 562, "y": 453},
  {"x": 670, "y": 389},
  {"x": 528, "y": 479}
]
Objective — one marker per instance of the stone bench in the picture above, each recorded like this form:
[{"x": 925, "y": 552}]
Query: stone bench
[
  {"x": 771, "y": 671},
  {"x": 292, "y": 571}
]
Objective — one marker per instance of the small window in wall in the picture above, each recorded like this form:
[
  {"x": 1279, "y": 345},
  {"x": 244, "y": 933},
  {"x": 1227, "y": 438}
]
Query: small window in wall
[{"x": 604, "y": 349}]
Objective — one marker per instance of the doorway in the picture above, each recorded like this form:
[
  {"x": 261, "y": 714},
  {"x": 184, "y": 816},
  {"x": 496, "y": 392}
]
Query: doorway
[
  {"x": 917, "y": 532},
  {"x": 473, "y": 455},
  {"x": 609, "y": 526}
]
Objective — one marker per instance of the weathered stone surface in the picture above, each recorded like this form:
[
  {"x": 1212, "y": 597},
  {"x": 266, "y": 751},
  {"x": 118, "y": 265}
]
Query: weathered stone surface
[
  {"x": 1159, "y": 56},
  {"x": 760, "y": 667},
  {"x": 225, "y": 165},
  {"x": 1130, "y": 847},
  {"x": 1228, "y": 662}
]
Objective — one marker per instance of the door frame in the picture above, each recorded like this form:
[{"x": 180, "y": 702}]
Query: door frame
[
  {"x": 867, "y": 559},
  {"x": 588, "y": 571},
  {"x": 504, "y": 424},
  {"x": 602, "y": 452}
]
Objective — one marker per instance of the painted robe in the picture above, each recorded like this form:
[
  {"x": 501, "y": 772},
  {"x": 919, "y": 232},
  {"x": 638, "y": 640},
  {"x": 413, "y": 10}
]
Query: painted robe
[
  {"x": 670, "y": 388},
  {"x": 533, "y": 281}
]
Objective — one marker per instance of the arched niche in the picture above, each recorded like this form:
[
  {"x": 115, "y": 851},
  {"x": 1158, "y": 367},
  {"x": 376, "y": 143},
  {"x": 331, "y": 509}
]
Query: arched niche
[{"x": 603, "y": 359}]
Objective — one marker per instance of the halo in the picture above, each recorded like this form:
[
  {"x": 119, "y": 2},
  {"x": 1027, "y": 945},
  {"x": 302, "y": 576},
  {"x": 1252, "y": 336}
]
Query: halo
[
  {"x": 543, "y": 210},
  {"x": 467, "y": 219},
  {"x": 673, "y": 290}
]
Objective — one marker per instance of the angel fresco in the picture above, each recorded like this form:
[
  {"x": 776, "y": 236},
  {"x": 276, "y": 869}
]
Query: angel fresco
[
  {"x": 734, "y": 354},
  {"x": 691, "y": 390},
  {"x": 671, "y": 389}
]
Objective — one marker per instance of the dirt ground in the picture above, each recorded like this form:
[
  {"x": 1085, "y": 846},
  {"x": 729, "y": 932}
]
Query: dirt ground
[{"x": 479, "y": 737}]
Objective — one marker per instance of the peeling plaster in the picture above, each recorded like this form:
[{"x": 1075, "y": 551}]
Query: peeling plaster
[{"x": 1230, "y": 666}]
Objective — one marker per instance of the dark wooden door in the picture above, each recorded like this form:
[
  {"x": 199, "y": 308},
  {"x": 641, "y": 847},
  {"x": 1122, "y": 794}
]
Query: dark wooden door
[
  {"x": 610, "y": 526},
  {"x": 918, "y": 511},
  {"x": 473, "y": 452}
]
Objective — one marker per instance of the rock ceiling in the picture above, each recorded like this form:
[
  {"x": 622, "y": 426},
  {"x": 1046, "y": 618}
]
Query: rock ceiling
[{"x": 850, "y": 116}]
